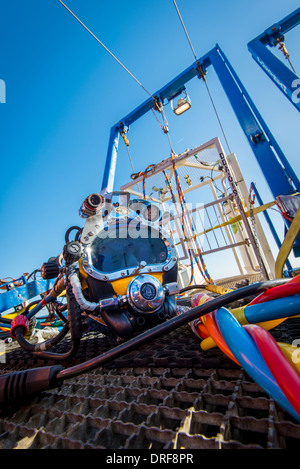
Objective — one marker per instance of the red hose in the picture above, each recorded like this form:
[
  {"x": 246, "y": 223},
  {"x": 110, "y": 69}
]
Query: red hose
[
  {"x": 290, "y": 288},
  {"x": 286, "y": 376}
]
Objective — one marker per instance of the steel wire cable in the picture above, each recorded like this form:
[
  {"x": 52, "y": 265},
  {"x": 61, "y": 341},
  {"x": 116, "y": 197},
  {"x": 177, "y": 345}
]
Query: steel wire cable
[
  {"x": 205, "y": 81},
  {"x": 101, "y": 43}
]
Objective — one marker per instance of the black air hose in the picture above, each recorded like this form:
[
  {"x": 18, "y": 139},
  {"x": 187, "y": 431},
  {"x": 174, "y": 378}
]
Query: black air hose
[
  {"x": 14, "y": 386},
  {"x": 45, "y": 378},
  {"x": 42, "y": 346},
  {"x": 77, "y": 236},
  {"x": 75, "y": 326},
  {"x": 169, "y": 326}
]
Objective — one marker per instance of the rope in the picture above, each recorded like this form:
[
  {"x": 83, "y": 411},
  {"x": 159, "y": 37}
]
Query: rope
[
  {"x": 199, "y": 260},
  {"x": 182, "y": 227},
  {"x": 144, "y": 174},
  {"x": 113, "y": 56},
  {"x": 202, "y": 267}
]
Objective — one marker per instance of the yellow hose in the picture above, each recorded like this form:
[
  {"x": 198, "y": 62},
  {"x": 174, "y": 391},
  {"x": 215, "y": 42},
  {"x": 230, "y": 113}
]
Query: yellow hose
[
  {"x": 217, "y": 289},
  {"x": 292, "y": 354}
]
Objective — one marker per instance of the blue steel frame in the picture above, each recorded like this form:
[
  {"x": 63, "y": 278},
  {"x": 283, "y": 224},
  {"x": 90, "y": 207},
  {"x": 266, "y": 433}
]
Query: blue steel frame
[
  {"x": 279, "y": 174},
  {"x": 284, "y": 78}
]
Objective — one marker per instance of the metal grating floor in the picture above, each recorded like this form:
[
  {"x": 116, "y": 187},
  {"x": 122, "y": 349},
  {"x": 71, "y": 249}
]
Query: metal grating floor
[{"x": 167, "y": 395}]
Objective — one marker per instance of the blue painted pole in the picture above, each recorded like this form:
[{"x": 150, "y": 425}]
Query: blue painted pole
[
  {"x": 283, "y": 77},
  {"x": 278, "y": 172},
  {"x": 111, "y": 160}
]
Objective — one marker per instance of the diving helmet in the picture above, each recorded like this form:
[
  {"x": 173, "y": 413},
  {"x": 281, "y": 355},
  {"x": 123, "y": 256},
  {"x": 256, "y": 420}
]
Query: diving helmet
[{"x": 127, "y": 264}]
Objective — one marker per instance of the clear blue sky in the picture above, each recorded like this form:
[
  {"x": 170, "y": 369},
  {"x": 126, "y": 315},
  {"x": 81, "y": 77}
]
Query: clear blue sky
[{"x": 64, "y": 92}]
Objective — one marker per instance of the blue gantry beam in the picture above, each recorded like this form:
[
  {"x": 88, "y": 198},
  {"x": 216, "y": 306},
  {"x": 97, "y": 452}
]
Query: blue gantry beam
[{"x": 283, "y": 76}]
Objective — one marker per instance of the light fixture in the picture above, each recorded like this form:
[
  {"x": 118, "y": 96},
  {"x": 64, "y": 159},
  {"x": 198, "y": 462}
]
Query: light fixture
[{"x": 183, "y": 105}]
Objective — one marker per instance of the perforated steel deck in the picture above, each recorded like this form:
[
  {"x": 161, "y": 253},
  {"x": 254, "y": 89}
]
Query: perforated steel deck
[{"x": 167, "y": 395}]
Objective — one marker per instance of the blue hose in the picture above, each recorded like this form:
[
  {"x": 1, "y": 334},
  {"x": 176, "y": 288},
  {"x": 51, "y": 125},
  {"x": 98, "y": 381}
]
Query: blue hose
[{"x": 273, "y": 309}]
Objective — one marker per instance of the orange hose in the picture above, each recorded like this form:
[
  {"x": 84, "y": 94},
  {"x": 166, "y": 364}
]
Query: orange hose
[{"x": 213, "y": 329}]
